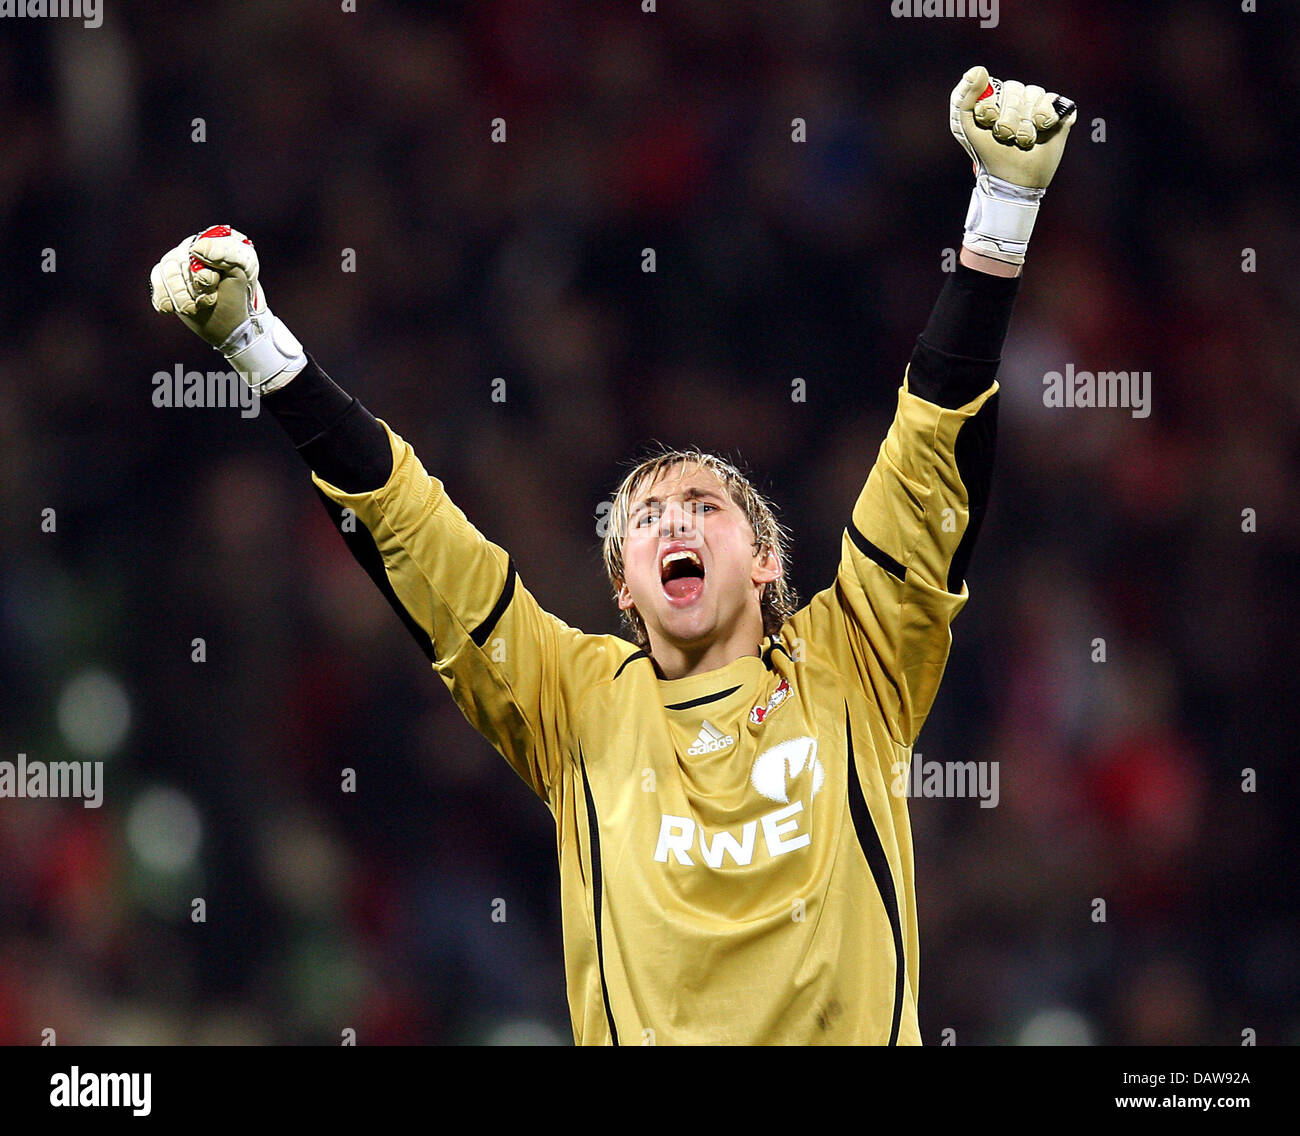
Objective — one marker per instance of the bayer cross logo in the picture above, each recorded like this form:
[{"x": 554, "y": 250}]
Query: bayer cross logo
[{"x": 774, "y": 768}]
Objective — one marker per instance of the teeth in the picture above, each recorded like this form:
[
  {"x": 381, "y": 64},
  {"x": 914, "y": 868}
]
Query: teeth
[{"x": 672, "y": 557}]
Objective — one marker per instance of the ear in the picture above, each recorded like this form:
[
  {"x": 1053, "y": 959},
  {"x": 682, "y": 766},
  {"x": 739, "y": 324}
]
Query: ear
[
  {"x": 624, "y": 596},
  {"x": 767, "y": 567}
]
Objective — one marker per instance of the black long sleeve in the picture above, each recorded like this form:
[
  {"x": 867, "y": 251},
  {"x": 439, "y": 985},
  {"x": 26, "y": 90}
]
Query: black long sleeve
[
  {"x": 955, "y": 360},
  {"x": 338, "y": 437},
  {"x": 957, "y": 355},
  {"x": 346, "y": 446}
]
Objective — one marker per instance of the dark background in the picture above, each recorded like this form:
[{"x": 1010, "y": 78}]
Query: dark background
[{"x": 371, "y": 910}]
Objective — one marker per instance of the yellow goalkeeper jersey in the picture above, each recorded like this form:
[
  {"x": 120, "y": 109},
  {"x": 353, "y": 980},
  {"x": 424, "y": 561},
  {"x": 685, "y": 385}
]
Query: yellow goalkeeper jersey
[{"x": 733, "y": 864}]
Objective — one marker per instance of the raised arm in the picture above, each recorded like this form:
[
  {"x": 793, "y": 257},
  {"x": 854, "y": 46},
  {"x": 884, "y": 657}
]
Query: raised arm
[
  {"x": 516, "y": 671},
  {"x": 908, "y": 545}
]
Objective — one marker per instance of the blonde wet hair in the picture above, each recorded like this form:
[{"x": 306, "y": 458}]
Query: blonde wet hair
[{"x": 778, "y": 600}]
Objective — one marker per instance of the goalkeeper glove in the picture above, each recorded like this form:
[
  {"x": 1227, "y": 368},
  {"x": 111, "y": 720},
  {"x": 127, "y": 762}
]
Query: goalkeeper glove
[
  {"x": 210, "y": 281},
  {"x": 1015, "y": 136}
]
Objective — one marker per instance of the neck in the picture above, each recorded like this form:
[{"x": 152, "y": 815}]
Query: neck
[{"x": 682, "y": 660}]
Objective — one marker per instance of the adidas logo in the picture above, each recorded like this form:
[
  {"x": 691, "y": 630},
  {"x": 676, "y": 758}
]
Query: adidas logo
[{"x": 710, "y": 740}]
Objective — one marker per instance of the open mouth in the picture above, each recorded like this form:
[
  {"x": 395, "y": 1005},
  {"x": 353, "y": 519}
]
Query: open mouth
[{"x": 681, "y": 572}]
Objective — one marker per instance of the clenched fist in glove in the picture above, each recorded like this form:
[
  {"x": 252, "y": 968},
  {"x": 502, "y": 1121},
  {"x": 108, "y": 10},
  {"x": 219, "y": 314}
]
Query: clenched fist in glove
[
  {"x": 1015, "y": 135},
  {"x": 210, "y": 281}
]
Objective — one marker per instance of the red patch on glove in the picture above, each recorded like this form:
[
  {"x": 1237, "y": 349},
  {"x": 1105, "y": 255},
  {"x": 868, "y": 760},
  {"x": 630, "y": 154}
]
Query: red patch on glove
[
  {"x": 196, "y": 265},
  {"x": 988, "y": 91}
]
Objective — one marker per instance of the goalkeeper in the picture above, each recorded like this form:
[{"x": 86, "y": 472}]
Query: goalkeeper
[{"x": 733, "y": 865}]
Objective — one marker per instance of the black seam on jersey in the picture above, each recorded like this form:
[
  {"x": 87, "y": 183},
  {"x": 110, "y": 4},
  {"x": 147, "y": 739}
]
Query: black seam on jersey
[
  {"x": 871, "y": 552},
  {"x": 775, "y": 645},
  {"x": 480, "y": 634},
  {"x": 879, "y": 865},
  {"x": 642, "y": 654},
  {"x": 973, "y": 452},
  {"x": 594, "y": 828},
  {"x": 703, "y": 699},
  {"x": 361, "y": 543}
]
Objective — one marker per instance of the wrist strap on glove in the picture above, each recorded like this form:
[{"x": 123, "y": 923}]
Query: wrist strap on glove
[
  {"x": 265, "y": 352},
  {"x": 1001, "y": 218}
]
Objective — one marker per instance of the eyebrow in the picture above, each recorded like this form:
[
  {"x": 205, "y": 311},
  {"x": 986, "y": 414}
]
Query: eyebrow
[{"x": 691, "y": 494}]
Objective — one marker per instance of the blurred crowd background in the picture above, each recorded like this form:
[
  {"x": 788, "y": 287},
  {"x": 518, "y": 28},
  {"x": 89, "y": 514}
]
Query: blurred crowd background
[{"x": 325, "y": 131}]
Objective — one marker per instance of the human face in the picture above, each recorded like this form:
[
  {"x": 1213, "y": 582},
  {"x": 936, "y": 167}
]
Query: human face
[{"x": 690, "y": 568}]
